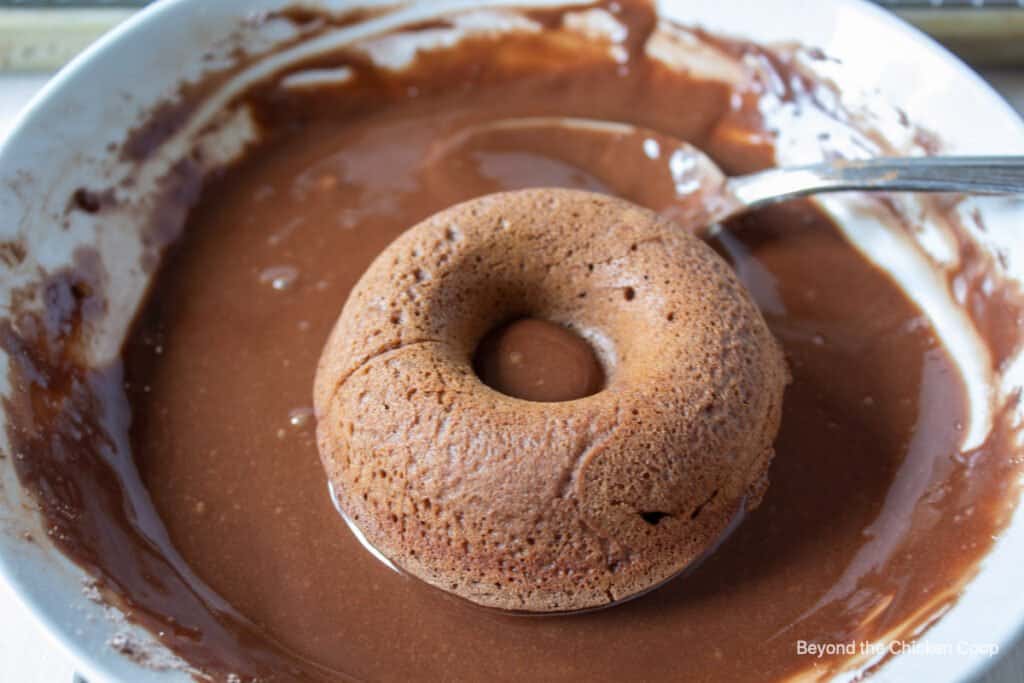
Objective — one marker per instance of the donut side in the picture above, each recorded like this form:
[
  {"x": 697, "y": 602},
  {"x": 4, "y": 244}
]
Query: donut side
[{"x": 556, "y": 506}]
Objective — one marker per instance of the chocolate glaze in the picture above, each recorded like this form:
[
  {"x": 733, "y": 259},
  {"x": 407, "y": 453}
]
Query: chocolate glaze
[
  {"x": 209, "y": 521},
  {"x": 537, "y": 360}
]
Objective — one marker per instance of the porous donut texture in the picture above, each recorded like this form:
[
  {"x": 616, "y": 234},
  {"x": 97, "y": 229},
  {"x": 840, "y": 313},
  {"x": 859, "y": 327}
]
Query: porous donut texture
[{"x": 548, "y": 507}]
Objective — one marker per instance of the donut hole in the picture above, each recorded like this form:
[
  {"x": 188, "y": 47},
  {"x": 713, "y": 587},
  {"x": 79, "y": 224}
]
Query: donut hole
[{"x": 538, "y": 360}]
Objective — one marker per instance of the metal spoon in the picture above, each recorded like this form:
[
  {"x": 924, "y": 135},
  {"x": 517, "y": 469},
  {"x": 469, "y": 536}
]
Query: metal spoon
[{"x": 681, "y": 181}]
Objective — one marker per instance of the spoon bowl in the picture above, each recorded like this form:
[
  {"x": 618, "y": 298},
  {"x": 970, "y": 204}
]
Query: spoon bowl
[
  {"x": 681, "y": 182},
  {"x": 644, "y": 166}
]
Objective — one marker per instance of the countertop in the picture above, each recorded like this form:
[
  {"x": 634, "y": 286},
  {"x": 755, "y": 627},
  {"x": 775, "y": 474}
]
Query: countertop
[{"x": 26, "y": 653}]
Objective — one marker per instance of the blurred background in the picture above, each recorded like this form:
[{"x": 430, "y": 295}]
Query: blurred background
[{"x": 37, "y": 37}]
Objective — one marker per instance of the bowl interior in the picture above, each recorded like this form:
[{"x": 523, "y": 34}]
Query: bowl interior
[{"x": 62, "y": 143}]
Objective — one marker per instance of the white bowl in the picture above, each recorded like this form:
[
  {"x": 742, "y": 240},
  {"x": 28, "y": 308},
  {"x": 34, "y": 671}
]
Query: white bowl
[{"x": 60, "y": 143}]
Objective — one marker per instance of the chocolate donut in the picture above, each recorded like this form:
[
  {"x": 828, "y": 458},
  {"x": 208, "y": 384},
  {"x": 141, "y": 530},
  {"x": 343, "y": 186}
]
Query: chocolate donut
[{"x": 548, "y": 506}]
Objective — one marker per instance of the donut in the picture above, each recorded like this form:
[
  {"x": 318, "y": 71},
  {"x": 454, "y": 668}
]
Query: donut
[{"x": 548, "y": 506}]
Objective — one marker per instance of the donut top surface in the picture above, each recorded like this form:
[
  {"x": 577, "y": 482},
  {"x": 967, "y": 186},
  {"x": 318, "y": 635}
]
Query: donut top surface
[{"x": 548, "y": 506}]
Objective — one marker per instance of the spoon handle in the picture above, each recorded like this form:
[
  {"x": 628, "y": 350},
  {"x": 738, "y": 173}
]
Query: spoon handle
[{"x": 978, "y": 175}]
